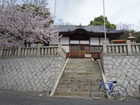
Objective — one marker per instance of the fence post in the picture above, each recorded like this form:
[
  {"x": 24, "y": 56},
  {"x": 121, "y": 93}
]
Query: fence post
[
  {"x": 1, "y": 51},
  {"x": 104, "y": 48},
  {"x": 59, "y": 49},
  {"x": 129, "y": 49},
  {"x": 19, "y": 50},
  {"x": 38, "y": 49}
]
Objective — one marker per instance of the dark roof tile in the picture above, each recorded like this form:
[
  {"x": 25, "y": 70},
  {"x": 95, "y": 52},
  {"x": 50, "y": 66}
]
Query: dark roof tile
[{"x": 96, "y": 29}]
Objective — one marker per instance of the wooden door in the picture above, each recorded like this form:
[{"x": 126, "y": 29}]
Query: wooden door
[
  {"x": 74, "y": 51},
  {"x": 79, "y": 51}
]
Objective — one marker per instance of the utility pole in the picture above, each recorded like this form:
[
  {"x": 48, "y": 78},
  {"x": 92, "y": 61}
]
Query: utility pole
[
  {"x": 104, "y": 21},
  {"x": 54, "y": 10},
  {"x": 0, "y": 2}
]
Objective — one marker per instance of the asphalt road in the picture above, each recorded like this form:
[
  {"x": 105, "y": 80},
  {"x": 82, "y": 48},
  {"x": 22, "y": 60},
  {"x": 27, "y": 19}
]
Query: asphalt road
[{"x": 13, "y": 98}]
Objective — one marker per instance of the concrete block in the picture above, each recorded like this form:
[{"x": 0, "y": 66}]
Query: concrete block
[
  {"x": 105, "y": 66},
  {"x": 26, "y": 73},
  {"x": 132, "y": 82},
  {"x": 120, "y": 67},
  {"x": 125, "y": 82},
  {"x": 110, "y": 67},
  {"x": 125, "y": 60},
  {"x": 136, "y": 60},
  {"x": 120, "y": 81}
]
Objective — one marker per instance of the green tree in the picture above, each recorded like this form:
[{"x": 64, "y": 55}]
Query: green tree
[
  {"x": 137, "y": 35},
  {"x": 125, "y": 35},
  {"x": 100, "y": 21}
]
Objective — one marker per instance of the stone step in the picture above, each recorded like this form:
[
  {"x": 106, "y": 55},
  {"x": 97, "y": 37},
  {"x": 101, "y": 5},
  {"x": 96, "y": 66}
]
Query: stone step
[
  {"x": 81, "y": 68},
  {"x": 76, "y": 63},
  {"x": 88, "y": 80},
  {"x": 91, "y": 88},
  {"x": 79, "y": 81},
  {"x": 92, "y": 67},
  {"x": 65, "y": 90},
  {"x": 80, "y": 78},
  {"x": 80, "y": 73},
  {"x": 74, "y": 94},
  {"x": 81, "y": 62},
  {"x": 77, "y": 86}
]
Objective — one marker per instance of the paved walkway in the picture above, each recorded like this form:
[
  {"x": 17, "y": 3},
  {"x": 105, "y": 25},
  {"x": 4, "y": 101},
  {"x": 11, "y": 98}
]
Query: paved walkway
[{"x": 12, "y": 98}]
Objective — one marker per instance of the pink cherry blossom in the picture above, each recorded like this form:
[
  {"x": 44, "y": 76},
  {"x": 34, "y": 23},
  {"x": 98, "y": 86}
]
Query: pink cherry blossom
[{"x": 28, "y": 23}]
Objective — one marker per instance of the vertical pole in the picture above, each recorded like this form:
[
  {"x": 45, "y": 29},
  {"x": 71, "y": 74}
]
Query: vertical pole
[
  {"x": 104, "y": 21},
  {"x": 54, "y": 10}
]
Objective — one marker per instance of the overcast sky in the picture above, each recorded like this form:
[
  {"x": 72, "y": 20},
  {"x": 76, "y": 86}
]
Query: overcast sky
[{"x": 82, "y": 11}]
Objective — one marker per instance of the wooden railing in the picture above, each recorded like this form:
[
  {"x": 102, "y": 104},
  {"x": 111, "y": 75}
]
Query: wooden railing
[
  {"x": 32, "y": 51},
  {"x": 129, "y": 48}
]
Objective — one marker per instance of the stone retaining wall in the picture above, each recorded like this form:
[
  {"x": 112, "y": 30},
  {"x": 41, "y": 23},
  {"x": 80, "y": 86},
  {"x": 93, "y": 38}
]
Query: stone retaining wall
[
  {"x": 32, "y": 74},
  {"x": 125, "y": 70}
]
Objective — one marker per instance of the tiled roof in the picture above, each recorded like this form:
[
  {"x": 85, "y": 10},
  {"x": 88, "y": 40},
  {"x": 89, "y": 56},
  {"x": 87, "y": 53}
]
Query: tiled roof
[{"x": 96, "y": 29}]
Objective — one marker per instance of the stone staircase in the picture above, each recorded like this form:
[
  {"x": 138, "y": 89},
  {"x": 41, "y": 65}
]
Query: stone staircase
[{"x": 79, "y": 78}]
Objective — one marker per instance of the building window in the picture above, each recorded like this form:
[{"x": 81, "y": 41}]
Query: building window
[
  {"x": 84, "y": 47},
  {"x": 84, "y": 42},
  {"x": 75, "y": 48},
  {"x": 74, "y": 42},
  {"x": 94, "y": 49}
]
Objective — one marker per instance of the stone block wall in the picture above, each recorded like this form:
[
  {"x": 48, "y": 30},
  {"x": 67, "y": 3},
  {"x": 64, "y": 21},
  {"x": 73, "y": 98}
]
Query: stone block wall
[
  {"x": 32, "y": 74},
  {"x": 125, "y": 70}
]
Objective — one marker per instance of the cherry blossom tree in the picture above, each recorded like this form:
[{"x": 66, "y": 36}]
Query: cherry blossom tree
[{"x": 27, "y": 23}]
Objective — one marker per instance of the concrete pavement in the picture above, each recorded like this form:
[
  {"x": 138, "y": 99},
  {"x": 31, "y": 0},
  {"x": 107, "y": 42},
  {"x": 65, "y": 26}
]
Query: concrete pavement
[{"x": 14, "y": 98}]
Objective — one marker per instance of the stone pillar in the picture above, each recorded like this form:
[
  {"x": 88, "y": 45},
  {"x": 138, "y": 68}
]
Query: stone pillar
[
  {"x": 38, "y": 49},
  {"x": 129, "y": 47},
  {"x": 104, "y": 48},
  {"x": 19, "y": 51},
  {"x": 1, "y": 51},
  {"x": 59, "y": 48}
]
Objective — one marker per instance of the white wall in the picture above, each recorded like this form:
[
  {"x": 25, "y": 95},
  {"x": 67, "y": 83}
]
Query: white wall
[
  {"x": 103, "y": 39},
  {"x": 94, "y": 41},
  {"x": 65, "y": 43},
  {"x": 64, "y": 40}
]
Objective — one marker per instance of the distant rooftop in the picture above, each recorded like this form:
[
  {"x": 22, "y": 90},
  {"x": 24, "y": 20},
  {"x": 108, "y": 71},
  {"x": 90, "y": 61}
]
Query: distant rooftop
[{"x": 95, "y": 29}]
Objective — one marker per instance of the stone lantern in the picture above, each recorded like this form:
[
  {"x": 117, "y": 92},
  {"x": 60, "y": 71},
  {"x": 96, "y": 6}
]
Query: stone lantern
[{"x": 131, "y": 38}]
